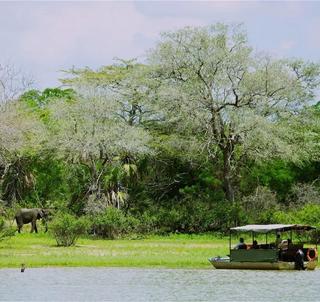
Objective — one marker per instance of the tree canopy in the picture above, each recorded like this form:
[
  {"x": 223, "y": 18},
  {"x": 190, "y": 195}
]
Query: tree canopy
[
  {"x": 214, "y": 86},
  {"x": 204, "y": 134}
]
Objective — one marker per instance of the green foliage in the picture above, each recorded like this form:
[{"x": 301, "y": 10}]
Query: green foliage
[
  {"x": 277, "y": 175},
  {"x": 37, "y": 180},
  {"x": 196, "y": 217},
  {"x": 308, "y": 214},
  {"x": 236, "y": 103},
  {"x": 112, "y": 74},
  {"x": 204, "y": 136},
  {"x": 6, "y": 231},
  {"x": 66, "y": 229},
  {"x": 17, "y": 180},
  {"x": 51, "y": 180},
  {"x": 112, "y": 223},
  {"x": 259, "y": 206},
  {"x": 37, "y": 99},
  {"x": 147, "y": 223}
]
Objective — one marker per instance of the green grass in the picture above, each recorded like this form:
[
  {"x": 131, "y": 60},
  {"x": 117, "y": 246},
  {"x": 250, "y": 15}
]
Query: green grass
[{"x": 175, "y": 251}]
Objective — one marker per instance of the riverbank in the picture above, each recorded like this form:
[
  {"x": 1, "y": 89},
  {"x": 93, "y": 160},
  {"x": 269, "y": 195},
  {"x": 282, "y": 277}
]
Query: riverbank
[{"x": 174, "y": 251}]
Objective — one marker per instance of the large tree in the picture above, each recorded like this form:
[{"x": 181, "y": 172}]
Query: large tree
[
  {"x": 127, "y": 80},
  {"x": 217, "y": 89},
  {"x": 19, "y": 133},
  {"x": 89, "y": 131},
  {"x": 14, "y": 124}
]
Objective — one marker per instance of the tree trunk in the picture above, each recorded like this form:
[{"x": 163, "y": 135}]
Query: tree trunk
[
  {"x": 226, "y": 144},
  {"x": 227, "y": 174}
]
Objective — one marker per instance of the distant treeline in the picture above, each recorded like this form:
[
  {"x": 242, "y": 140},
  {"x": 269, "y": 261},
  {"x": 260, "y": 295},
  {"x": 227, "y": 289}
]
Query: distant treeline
[{"x": 204, "y": 135}]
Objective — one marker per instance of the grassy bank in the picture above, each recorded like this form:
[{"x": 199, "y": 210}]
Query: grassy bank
[{"x": 175, "y": 251}]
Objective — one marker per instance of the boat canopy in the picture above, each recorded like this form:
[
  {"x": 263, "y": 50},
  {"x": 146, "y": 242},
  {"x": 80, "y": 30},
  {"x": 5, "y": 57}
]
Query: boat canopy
[{"x": 266, "y": 228}]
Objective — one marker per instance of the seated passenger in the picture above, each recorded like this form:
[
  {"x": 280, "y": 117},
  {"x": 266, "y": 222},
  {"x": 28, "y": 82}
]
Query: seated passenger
[
  {"x": 286, "y": 253},
  {"x": 283, "y": 245},
  {"x": 241, "y": 245},
  {"x": 255, "y": 245}
]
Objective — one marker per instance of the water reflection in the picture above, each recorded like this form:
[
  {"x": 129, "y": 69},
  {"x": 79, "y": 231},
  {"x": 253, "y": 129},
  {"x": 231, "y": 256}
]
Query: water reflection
[{"x": 117, "y": 284}]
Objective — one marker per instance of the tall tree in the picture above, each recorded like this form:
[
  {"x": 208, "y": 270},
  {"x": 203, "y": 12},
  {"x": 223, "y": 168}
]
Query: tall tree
[
  {"x": 127, "y": 80},
  {"x": 89, "y": 131},
  {"x": 12, "y": 84},
  {"x": 215, "y": 87},
  {"x": 21, "y": 134}
]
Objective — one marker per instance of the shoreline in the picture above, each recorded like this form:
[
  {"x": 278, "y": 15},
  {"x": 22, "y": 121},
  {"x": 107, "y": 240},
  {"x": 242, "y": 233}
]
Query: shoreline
[
  {"x": 175, "y": 251},
  {"x": 154, "y": 252}
]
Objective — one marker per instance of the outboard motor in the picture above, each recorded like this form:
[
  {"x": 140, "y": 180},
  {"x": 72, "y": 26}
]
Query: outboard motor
[{"x": 299, "y": 260}]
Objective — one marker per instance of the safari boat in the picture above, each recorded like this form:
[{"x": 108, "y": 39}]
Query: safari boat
[{"x": 284, "y": 255}]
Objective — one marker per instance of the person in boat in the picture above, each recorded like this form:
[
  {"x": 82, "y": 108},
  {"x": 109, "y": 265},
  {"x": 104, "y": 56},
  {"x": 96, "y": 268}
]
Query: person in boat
[
  {"x": 255, "y": 245},
  {"x": 241, "y": 245},
  {"x": 299, "y": 260},
  {"x": 283, "y": 245}
]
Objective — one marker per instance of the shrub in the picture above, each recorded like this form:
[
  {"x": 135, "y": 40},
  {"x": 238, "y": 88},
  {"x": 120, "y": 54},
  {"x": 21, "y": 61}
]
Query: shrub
[
  {"x": 260, "y": 205},
  {"x": 5, "y": 231},
  {"x": 112, "y": 223},
  {"x": 147, "y": 223},
  {"x": 283, "y": 216},
  {"x": 109, "y": 224},
  {"x": 304, "y": 193},
  {"x": 66, "y": 229},
  {"x": 198, "y": 216},
  {"x": 131, "y": 225},
  {"x": 309, "y": 214}
]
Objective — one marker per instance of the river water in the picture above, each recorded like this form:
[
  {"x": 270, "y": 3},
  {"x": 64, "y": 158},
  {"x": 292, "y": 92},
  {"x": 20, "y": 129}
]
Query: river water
[{"x": 123, "y": 284}]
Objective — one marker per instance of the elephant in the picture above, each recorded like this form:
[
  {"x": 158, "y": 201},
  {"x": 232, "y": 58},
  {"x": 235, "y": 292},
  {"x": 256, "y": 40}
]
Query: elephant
[{"x": 24, "y": 216}]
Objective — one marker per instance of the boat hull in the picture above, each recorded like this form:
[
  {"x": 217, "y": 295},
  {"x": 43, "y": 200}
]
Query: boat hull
[{"x": 222, "y": 263}]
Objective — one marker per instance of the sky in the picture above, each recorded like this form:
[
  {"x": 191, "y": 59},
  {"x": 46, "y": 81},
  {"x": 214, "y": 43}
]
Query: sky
[{"x": 43, "y": 38}]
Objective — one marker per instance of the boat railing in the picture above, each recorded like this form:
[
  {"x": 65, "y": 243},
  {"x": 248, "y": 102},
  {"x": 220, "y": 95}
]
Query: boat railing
[{"x": 254, "y": 255}]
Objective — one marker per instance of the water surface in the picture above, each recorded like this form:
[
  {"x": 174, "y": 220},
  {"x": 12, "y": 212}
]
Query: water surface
[{"x": 122, "y": 284}]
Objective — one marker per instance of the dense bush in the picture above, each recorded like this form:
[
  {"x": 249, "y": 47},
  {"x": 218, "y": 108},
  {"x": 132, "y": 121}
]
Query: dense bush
[
  {"x": 147, "y": 224},
  {"x": 5, "y": 231},
  {"x": 66, "y": 229},
  {"x": 112, "y": 223},
  {"x": 260, "y": 205},
  {"x": 196, "y": 217},
  {"x": 304, "y": 193},
  {"x": 308, "y": 214}
]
